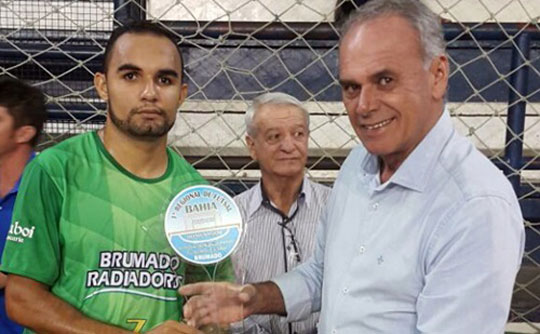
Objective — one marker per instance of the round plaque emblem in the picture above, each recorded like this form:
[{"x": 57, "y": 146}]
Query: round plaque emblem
[{"x": 203, "y": 224}]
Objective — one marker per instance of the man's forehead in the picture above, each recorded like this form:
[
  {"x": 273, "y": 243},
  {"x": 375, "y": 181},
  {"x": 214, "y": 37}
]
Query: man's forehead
[
  {"x": 270, "y": 112},
  {"x": 378, "y": 44},
  {"x": 135, "y": 46},
  {"x": 4, "y": 111},
  {"x": 385, "y": 30},
  {"x": 375, "y": 66}
]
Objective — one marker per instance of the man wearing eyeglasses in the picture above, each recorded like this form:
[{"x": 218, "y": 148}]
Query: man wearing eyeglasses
[{"x": 282, "y": 210}]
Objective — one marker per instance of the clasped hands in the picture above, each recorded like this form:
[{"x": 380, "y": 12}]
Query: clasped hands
[{"x": 218, "y": 303}]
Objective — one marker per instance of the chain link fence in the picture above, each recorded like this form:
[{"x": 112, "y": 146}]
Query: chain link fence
[{"x": 237, "y": 49}]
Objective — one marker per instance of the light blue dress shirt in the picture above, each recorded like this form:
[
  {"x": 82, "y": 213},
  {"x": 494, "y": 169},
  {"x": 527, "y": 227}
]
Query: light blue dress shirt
[{"x": 435, "y": 249}]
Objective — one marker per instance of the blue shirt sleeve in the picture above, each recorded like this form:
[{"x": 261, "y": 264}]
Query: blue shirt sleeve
[{"x": 466, "y": 289}]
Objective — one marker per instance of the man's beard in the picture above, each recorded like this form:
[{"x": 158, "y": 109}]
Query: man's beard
[{"x": 144, "y": 130}]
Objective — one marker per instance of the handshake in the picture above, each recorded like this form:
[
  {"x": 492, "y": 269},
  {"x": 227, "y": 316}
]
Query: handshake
[
  {"x": 211, "y": 306},
  {"x": 219, "y": 303}
]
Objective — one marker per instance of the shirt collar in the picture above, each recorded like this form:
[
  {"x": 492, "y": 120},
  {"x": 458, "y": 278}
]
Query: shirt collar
[
  {"x": 415, "y": 170},
  {"x": 257, "y": 197}
]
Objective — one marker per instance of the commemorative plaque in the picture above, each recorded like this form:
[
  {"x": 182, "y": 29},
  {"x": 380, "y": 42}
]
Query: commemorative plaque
[{"x": 203, "y": 224}]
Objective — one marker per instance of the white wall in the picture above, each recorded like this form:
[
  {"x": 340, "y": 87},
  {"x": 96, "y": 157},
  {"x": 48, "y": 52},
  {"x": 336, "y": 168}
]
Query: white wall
[{"x": 317, "y": 10}]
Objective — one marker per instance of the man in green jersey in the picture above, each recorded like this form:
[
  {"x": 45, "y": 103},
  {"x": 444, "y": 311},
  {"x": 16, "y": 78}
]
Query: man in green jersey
[{"x": 87, "y": 251}]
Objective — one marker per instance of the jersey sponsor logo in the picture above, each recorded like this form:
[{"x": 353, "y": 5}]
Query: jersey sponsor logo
[
  {"x": 18, "y": 233},
  {"x": 123, "y": 271}
]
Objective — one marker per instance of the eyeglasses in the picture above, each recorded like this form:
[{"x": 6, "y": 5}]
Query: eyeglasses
[{"x": 291, "y": 247}]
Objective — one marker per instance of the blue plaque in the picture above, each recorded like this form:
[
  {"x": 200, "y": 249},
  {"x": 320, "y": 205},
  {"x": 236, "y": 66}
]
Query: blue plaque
[{"x": 203, "y": 224}]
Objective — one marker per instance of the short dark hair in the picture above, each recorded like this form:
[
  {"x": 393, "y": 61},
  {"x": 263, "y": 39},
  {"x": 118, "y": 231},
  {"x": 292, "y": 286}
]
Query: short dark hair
[
  {"x": 140, "y": 27},
  {"x": 26, "y": 104}
]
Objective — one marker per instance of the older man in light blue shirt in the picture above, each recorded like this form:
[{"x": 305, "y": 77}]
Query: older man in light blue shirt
[
  {"x": 435, "y": 249},
  {"x": 422, "y": 234}
]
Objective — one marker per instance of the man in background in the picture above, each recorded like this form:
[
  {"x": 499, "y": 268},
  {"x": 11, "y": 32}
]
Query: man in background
[
  {"x": 92, "y": 256},
  {"x": 282, "y": 210},
  {"x": 22, "y": 114}
]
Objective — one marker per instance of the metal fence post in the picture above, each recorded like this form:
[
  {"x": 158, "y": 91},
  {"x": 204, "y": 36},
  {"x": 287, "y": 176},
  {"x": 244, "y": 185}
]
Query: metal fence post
[{"x": 516, "y": 108}]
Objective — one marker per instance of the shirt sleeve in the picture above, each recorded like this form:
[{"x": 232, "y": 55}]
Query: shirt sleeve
[
  {"x": 301, "y": 288},
  {"x": 32, "y": 246},
  {"x": 470, "y": 268}
]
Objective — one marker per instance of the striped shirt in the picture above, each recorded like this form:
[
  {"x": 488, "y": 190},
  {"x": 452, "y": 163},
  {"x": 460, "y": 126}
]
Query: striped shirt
[{"x": 274, "y": 243}]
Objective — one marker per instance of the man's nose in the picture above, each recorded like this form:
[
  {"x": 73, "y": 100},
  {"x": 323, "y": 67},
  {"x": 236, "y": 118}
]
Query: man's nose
[
  {"x": 367, "y": 101},
  {"x": 149, "y": 91},
  {"x": 287, "y": 143}
]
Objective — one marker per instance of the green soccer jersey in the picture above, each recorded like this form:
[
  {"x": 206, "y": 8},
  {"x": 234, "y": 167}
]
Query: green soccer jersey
[{"x": 94, "y": 233}]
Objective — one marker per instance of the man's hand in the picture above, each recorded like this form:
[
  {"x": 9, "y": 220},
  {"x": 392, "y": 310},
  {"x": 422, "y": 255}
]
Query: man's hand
[
  {"x": 217, "y": 303},
  {"x": 174, "y": 327}
]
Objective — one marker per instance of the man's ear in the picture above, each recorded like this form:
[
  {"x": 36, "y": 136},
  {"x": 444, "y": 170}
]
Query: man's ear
[
  {"x": 251, "y": 147},
  {"x": 100, "y": 82},
  {"x": 183, "y": 94},
  {"x": 439, "y": 72},
  {"x": 25, "y": 134}
]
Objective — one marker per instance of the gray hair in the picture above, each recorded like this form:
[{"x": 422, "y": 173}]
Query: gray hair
[
  {"x": 271, "y": 99},
  {"x": 415, "y": 12}
]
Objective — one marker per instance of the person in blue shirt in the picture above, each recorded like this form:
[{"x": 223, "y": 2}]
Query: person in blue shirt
[
  {"x": 422, "y": 233},
  {"x": 22, "y": 114}
]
